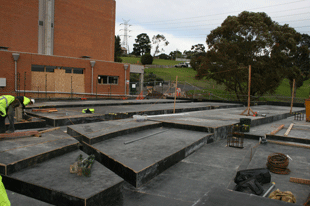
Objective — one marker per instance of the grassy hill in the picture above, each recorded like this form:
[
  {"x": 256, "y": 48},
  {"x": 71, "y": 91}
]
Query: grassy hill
[
  {"x": 188, "y": 75},
  {"x": 136, "y": 60}
]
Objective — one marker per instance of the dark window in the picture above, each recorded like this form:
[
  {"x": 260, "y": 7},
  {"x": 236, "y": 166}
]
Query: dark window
[
  {"x": 37, "y": 68},
  {"x": 113, "y": 80},
  {"x": 77, "y": 71},
  {"x": 107, "y": 80},
  {"x": 50, "y": 68},
  {"x": 104, "y": 79},
  {"x": 68, "y": 69}
]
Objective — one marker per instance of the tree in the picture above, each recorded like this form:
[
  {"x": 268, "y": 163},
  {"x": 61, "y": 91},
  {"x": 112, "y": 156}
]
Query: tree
[
  {"x": 142, "y": 46},
  {"x": 163, "y": 56},
  {"x": 299, "y": 68},
  {"x": 159, "y": 40},
  {"x": 175, "y": 54},
  {"x": 117, "y": 49},
  {"x": 248, "y": 39},
  {"x": 146, "y": 59},
  {"x": 198, "y": 48}
]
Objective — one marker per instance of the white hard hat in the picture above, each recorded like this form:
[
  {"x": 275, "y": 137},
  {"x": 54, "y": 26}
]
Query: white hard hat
[{"x": 32, "y": 100}]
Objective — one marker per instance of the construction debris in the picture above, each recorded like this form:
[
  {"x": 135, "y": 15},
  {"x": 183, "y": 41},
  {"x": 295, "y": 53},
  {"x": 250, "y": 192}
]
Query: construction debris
[
  {"x": 300, "y": 180},
  {"x": 253, "y": 179},
  {"x": 277, "y": 130},
  {"x": 289, "y": 129},
  {"x": 19, "y": 134},
  {"x": 45, "y": 110},
  {"x": 286, "y": 196},
  {"x": 277, "y": 163},
  {"x": 83, "y": 166}
]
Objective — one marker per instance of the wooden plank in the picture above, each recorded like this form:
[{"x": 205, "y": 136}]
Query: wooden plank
[
  {"x": 277, "y": 130},
  {"x": 19, "y": 134},
  {"x": 49, "y": 130},
  {"x": 300, "y": 180},
  {"x": 289, "y": 129}
]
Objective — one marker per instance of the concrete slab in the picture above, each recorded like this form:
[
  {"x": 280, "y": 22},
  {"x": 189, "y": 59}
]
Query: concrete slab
[
  {"x": 97, "y": 132},
  {"x": 299, "y": 166},
  {"x": 104, "y": 102},
  {"x": 73, "y": 115},
  {"x": 219, "y": 197},
  {"x": 220, "y": 121},
  {"x": 137, "y": 154},
  {"x": 20, "y": 153},
  {"x": 52, "y": 182},
  {"x": 18, "y": 199}
]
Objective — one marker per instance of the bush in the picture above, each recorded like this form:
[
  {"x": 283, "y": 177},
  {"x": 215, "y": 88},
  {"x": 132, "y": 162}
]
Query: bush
[{"x": 146, "y": 59}]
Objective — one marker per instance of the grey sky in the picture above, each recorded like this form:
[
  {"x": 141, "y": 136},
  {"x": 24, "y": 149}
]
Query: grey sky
[{"x": 185, "y": 23}]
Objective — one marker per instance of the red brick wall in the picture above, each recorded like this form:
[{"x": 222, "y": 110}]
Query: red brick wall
[
  {"x": 85, "y": 28},
  {"x": 19, "y": 25},
  {"x": 7, "y": 70},
  {"x": 81, "y": 28}
]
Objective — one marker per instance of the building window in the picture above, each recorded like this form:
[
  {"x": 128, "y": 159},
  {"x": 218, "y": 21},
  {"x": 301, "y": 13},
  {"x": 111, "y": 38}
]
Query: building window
[
  {"x": 67, "y": 69},
  {"x": 107, "y": 79},
  {"x": 50, "y": 68},
  {"x": 37, "y": 68},
  {"x": 77, "y": 71}
]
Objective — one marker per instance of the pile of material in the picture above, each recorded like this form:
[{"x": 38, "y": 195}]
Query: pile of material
[
  {"x": 83, "y": 166},
  {"x": 277, "y": 163},
  {"x": 286, "y": 196}
]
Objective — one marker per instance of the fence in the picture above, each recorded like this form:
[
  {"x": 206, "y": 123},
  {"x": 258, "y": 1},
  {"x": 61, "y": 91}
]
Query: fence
[{"x": 187, "y": 90}]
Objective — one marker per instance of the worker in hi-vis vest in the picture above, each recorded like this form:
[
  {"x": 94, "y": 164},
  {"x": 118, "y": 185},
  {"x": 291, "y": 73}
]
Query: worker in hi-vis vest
[
  {"x": 24, "y": 101},
  {"x": 8, "y": 103},
  {"x": 4, "y": 200}
]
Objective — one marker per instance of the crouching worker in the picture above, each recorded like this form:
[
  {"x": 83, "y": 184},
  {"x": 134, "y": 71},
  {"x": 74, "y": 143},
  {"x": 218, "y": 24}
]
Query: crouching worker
[
  {"x": 8, "y": 103},
  {"x": 4, "y": 200},
  {"x": 20, "y": 111}
]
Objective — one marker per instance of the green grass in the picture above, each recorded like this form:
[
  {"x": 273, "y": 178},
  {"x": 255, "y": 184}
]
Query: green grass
[
  {"x": 136, "y": 60},
  {"x": 188, "y": 75}
]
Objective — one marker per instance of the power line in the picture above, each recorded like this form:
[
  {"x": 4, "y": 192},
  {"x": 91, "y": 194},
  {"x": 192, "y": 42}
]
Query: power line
[
  {"x": 225, "y": 12},
  {"x": 221, "y": 18}
]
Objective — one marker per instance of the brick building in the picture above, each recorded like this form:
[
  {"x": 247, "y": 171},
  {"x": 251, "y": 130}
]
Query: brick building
[{"x": 59, "y": 48}]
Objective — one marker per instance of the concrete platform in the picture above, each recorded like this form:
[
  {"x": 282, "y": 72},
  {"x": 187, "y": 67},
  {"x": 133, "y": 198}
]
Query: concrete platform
[
  {"x": 300, "y": 132},
  {"x": 206, "y": 177},
  {"x": 30, "y": 124},
  {"x": 19, "y": 153},
  {"x": 52, "y": 183},
  {"x": 220, "y": 121},
  {"x": 138, "y": 151},
  {"x": 73, "y": 115},
  {"x": 104, "y": 102},
  {"x": 18, "y": 199}
]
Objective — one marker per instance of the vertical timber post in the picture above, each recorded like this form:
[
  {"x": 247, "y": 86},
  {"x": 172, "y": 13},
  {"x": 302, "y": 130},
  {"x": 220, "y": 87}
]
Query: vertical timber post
[
  {"x": 175, "y": 93},
  {"x": 293, "y": 91}
]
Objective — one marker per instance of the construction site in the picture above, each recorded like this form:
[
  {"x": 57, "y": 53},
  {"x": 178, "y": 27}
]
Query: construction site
[
  {"x": 153, "y": 152},
  {"x": 92, "y": 137}
]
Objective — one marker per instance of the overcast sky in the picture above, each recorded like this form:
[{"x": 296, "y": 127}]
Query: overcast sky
[{"x": 185, "y": 23}]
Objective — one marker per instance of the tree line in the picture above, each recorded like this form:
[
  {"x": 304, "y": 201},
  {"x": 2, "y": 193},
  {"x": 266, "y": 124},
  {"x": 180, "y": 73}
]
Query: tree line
[{"x": 274, "y": 52}]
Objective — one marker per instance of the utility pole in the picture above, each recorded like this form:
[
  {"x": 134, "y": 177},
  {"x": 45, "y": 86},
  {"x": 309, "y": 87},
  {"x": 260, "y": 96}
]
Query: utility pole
[{"x": 126, "y": 30}]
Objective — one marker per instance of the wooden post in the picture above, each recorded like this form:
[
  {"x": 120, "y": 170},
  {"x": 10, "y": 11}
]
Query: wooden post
[
  {"x": 292, "y": 96},
  {"x": 289, "y": 129},
  {"x": 277, "y": 130},
  {"x": 248, "y": 109},
  {"x": 175, "y": 93}
]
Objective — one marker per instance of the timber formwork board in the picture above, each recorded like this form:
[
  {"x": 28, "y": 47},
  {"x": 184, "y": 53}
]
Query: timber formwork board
[
  {"x": 139, "y": 151},
  {"x": 19, "y": 153},
  {"x": 51, "y": 182}
]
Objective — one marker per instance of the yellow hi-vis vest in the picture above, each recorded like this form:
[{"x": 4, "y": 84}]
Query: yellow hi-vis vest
[
  {"x": 5, "y": 101},
  {"x": 26, "y": 101},
  {"x": 4, "y": 200}
]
